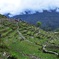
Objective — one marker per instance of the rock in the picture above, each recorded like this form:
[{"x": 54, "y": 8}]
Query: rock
[{"x": 4, "y": 54}]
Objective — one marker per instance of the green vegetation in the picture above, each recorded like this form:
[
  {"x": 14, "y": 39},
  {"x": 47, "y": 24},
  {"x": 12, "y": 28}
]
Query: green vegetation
[
  {"x": 2, "y": 16},
  {"x": 39, "y": 23},
  {"x": 20, "y": 40}
]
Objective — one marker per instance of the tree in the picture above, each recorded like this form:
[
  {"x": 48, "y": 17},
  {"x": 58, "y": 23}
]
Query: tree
[{"x": 39, "y": 23}]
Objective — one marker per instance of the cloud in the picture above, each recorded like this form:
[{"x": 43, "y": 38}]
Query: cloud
[{"x": 15, "y": 7}]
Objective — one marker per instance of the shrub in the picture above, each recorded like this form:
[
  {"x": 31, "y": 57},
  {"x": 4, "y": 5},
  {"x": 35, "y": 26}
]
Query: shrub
[{"x": 39, "y": 23}]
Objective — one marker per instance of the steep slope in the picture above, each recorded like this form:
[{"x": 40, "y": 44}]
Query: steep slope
[{"x": 20, "y": 40}]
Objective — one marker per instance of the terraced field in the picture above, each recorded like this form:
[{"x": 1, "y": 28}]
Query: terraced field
[{"x": 20, "y": 40}]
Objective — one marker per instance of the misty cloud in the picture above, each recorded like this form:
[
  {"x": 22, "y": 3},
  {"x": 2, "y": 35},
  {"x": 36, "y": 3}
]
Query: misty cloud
[{"x": 15, "y": 7}]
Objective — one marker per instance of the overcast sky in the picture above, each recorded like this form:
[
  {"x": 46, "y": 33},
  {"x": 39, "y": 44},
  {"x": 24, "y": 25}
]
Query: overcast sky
[{"x": 15, "y": 7}]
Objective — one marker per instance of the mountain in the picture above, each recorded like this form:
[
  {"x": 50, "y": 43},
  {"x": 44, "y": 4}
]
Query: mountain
[
  {"x": 20, "y": 40},
  {"x": 48, "y": 19}
]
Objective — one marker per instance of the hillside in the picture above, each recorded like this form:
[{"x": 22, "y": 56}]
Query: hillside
[{"x": 20, "y": 40}]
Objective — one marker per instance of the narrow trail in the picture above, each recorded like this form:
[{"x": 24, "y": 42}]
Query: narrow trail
[
  {"x": 29, "y": 55},
  {"x": 20, "y": 34},
  {"x": 50, "y": 52},
  {"x": 23, "y": 38}
]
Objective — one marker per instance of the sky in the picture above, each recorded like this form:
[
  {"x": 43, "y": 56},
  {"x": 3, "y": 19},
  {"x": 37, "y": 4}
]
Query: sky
[{"x": 16, "y": 7}]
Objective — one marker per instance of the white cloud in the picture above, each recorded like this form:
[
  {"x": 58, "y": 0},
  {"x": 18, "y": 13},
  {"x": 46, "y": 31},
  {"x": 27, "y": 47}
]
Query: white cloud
[{"x": 15, "y": 7}]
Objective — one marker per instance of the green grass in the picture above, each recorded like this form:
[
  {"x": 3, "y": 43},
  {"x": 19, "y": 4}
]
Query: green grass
[{"x": 32, "y": 45}]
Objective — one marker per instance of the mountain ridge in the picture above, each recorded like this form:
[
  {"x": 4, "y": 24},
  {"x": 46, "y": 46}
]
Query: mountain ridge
[{"x": 48, "y": 19}]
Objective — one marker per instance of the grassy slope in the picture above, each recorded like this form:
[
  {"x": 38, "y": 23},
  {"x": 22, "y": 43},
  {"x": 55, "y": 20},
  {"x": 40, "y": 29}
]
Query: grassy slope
[{"x": 35, "y": 38}]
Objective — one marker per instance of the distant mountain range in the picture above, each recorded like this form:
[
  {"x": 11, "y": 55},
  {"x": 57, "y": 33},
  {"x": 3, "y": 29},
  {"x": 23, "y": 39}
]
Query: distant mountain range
[{"x": 50, "y": 20}]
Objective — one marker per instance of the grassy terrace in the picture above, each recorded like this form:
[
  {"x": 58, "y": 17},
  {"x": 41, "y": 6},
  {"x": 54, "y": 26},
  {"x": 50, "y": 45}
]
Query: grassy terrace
[{"x": 12, "y": 43}]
